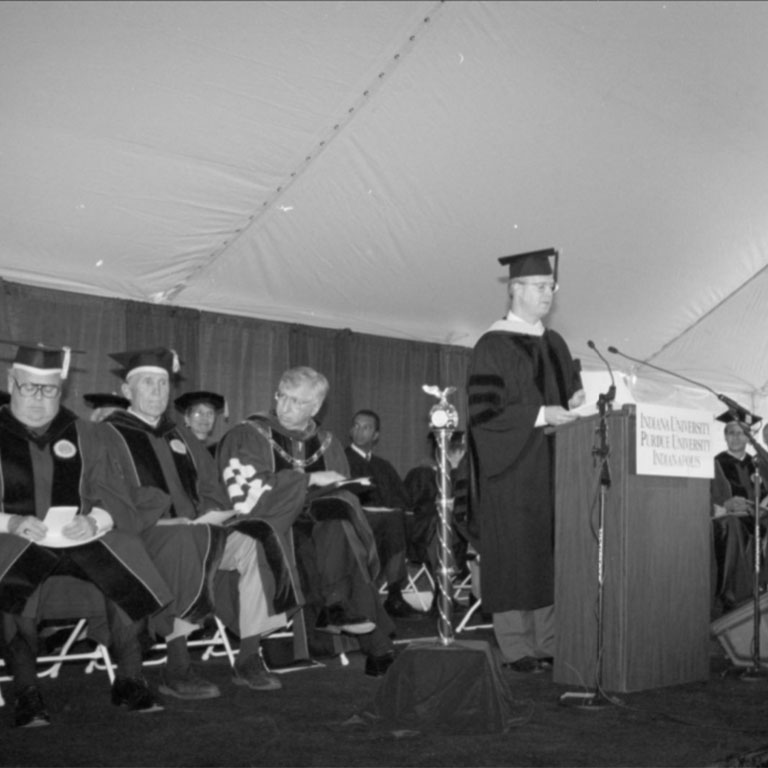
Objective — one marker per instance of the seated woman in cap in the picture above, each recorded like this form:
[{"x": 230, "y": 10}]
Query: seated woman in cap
[{"x": 200, "y": 410}]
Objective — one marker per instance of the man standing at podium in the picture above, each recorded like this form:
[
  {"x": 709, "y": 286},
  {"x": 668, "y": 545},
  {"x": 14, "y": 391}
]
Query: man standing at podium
[{"x": 522, "y": 383}]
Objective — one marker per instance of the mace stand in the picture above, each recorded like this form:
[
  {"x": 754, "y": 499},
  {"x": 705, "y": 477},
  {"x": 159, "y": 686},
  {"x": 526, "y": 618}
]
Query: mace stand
[
  {"x": 446, "y": 684},
  {"x": 445, "y": 553}
]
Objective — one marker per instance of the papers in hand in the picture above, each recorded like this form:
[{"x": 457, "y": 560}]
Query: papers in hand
[
  {"x": 364, "y": 484},
  {"x": 55, "y": 520},
  {"x": 215, "y": 516},
  {"x": 585, "y": 409}
]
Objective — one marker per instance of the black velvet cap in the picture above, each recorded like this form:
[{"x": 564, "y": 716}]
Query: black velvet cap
[
  {"x": 743, "y": 416},
  {"x": 155, "y": 358},
  {"x": 532, "y": 263},
  {"x": 188, "y": 399},
  {"x": 106, "y": 400},
  {"x": 41, "y": 357}
]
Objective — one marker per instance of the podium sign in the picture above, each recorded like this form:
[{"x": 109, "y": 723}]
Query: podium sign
[
  {"x": 656, "y": 586},
  {"x": 674, "y": 442}
]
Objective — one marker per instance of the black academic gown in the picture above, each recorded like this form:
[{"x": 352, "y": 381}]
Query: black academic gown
[
  {"x": 67, "y": 465},
  {"x": 511, "y": 376}
]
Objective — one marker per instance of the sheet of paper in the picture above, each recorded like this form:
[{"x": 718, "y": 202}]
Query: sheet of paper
[
  {"x": 586, "y": 409},
  {"x": 215, "y": 516},
  {"x": 57, "y": 518},
  {"x": 353, "y": 481}
]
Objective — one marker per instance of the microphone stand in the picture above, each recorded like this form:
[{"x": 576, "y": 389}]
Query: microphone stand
[
  {"x": 594, "y": 700},
  {"x": 756, "y": 671}
]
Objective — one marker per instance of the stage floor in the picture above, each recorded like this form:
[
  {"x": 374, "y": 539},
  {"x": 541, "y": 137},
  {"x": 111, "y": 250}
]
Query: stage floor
[{"x": 322, "y": 717}]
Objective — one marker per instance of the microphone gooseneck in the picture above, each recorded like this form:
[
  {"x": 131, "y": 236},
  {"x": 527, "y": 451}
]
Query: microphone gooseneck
[
  {"x": 611, "y": 394},
  {"x": 737, "y": 410}
]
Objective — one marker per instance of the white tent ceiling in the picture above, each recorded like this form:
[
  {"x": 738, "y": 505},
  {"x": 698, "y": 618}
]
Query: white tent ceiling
[{"x": 363, "y": 164}]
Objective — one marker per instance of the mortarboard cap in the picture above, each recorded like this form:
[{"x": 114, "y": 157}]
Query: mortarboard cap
[
  {"x": 532, "y": 263},
  {"x": 188, "y": 399},
  {"x": 155, "y": 359},
  {"x": 739, "y": 415},
  {"x": 106, "y": 400},
  {"x": 41, "y": 358}
]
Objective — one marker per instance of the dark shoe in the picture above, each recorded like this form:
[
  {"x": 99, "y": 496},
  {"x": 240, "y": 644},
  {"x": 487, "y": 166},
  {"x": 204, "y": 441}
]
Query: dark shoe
[
  {"x": 545, "y": 662},
  {"x": 134, "y": 694},
  {"x": 527, "y": 665},
  {"x": 376, "y": 666},
  {"x": 396, "y": 606},
  {"x": 253, "y": 672},
  {"x": 334, "y": 619},
  {"x": 188, "y": 685},
  {"x": 30, "y": 711}
]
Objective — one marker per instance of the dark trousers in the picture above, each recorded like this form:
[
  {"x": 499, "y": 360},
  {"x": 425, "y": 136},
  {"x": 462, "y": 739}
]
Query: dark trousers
[{"x": 21, "y": 646}]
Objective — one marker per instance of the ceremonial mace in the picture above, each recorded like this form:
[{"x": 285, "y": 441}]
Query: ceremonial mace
[
  {"x": 443, "y": 419},
  {"x": 427, "y": 684}
]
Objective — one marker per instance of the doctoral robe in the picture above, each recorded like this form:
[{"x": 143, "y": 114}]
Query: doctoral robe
[
  {"x": 169, "y": 457},
  {"x": 265, "y": 468},
  {"x": 511, "y": 376},
  {"x": 68, "y": 466}
]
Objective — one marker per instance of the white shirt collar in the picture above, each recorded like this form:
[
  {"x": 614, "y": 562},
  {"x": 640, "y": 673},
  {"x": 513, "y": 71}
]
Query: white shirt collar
[
  {"x": 361, "y": 452},
  {"x": 514, "y": 324},
  {"x": 151, "y": 422}
]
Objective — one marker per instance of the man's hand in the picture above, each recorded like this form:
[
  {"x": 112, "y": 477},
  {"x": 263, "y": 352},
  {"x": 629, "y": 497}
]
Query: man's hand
[
  {"x": 579, "y": 398},
  {"x": 555, "y": 415},
  {"x": 325, "y": 478},
  {"x": 28, "y": 527},
  {"x": 738, "y": 505},
  {"x": 81, "y": 528}
]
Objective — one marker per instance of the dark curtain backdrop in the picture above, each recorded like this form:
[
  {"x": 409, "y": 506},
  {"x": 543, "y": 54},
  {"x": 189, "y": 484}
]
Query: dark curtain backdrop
[{"x": 242, "y": 358}]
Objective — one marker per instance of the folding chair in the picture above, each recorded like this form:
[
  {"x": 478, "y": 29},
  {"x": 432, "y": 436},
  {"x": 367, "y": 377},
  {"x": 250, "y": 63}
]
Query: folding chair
[
  {"x": 67, "y": 605},
  {"x": 419, "y": 589},
  {"x": 470, "y": 587}
]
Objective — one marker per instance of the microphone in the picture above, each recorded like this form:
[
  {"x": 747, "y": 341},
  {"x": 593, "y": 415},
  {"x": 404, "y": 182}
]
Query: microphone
[
  {"x": 611, "y": 395},
  {"x": 739, "y": 411}
]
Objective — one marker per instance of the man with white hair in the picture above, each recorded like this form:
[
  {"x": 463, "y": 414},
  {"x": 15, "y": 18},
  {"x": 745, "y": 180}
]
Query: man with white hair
[
  {"x": 158, "y": 453},
  {"x": 284, "y": 468},
  {"x": 51, "y": 459}
]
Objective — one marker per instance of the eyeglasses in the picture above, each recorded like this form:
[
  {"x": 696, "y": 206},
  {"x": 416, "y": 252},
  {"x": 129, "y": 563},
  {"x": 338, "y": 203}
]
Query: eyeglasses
[
  {"x": 540, "y": 287},
  {"x": 293, "y": 401},
  {"x": 200, "y": 413},
  {"x": 28, "y": 389}
]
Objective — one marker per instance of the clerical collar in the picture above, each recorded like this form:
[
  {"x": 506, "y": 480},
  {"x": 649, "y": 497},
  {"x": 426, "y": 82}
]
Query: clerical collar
[
  {"x": 514, "y": 324},
  {"x": 361, "y": 452},
  {"x": 152, "y": 422}
]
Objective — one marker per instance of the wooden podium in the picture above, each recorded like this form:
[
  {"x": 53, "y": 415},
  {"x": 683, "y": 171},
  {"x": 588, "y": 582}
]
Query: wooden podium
[{"x": 656, "y": 586}]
